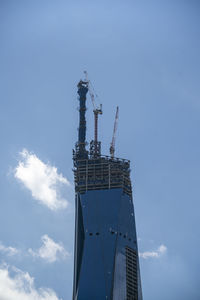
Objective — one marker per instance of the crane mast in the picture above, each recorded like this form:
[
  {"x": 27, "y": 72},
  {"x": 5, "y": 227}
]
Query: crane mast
[
  {"x": 112, "y": 145},
  {"x": 95, "y": 145}
]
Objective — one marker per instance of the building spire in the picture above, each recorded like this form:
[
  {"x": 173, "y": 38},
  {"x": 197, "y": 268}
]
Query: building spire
[{"x": 81, "y": 151}]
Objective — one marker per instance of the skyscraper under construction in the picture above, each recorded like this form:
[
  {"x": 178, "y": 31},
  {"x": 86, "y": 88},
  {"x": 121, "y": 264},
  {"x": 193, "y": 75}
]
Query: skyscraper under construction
[{"x": 106, "y": 263}]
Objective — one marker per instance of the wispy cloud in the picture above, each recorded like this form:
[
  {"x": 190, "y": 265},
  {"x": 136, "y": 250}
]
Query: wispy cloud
[
  {"x": 10, "y": 251},
  {"x": 154, "y": 254},
  {"x": 50, "y": 251},
  {"x": 42, "y": 180},
  {"x": 21, "y": 286}
]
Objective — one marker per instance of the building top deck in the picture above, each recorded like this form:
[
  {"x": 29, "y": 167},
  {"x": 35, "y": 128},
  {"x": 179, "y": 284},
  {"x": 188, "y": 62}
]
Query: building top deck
[{"x": 100, "y": 173}]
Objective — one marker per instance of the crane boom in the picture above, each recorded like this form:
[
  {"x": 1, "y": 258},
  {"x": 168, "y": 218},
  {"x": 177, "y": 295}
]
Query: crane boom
[{"x": 112, "y": 145}]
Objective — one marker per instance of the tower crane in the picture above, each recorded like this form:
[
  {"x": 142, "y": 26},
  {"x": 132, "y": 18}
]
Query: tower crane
[
  {"x": 112, "y": 145},
  {"x": 97, "y": 111}
]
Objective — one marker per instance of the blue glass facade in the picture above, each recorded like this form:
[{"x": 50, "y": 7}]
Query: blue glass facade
[{"x": 105, "y": 226}]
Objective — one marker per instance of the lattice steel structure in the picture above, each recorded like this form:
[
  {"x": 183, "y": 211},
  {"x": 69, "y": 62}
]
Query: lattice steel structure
[{"x": 106, "y": 263}]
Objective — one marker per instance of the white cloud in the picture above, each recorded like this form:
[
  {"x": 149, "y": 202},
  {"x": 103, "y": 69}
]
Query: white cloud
[
  {"x": 42, "y": 180},
  {"x": 154, "y": 254},
  {"x": 50, "y": 251},
  {"x": 10, "y": 251},
  {"x": 21, "y": 287}
]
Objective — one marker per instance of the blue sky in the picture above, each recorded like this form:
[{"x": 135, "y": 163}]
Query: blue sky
[{"x": 140, "y": 55}]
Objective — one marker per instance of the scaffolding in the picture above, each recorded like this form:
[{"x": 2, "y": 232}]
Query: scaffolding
[{"x": 101, "y": 173}]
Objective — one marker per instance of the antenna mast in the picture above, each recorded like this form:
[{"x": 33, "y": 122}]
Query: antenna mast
[{"x": 81, "y": 152}]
